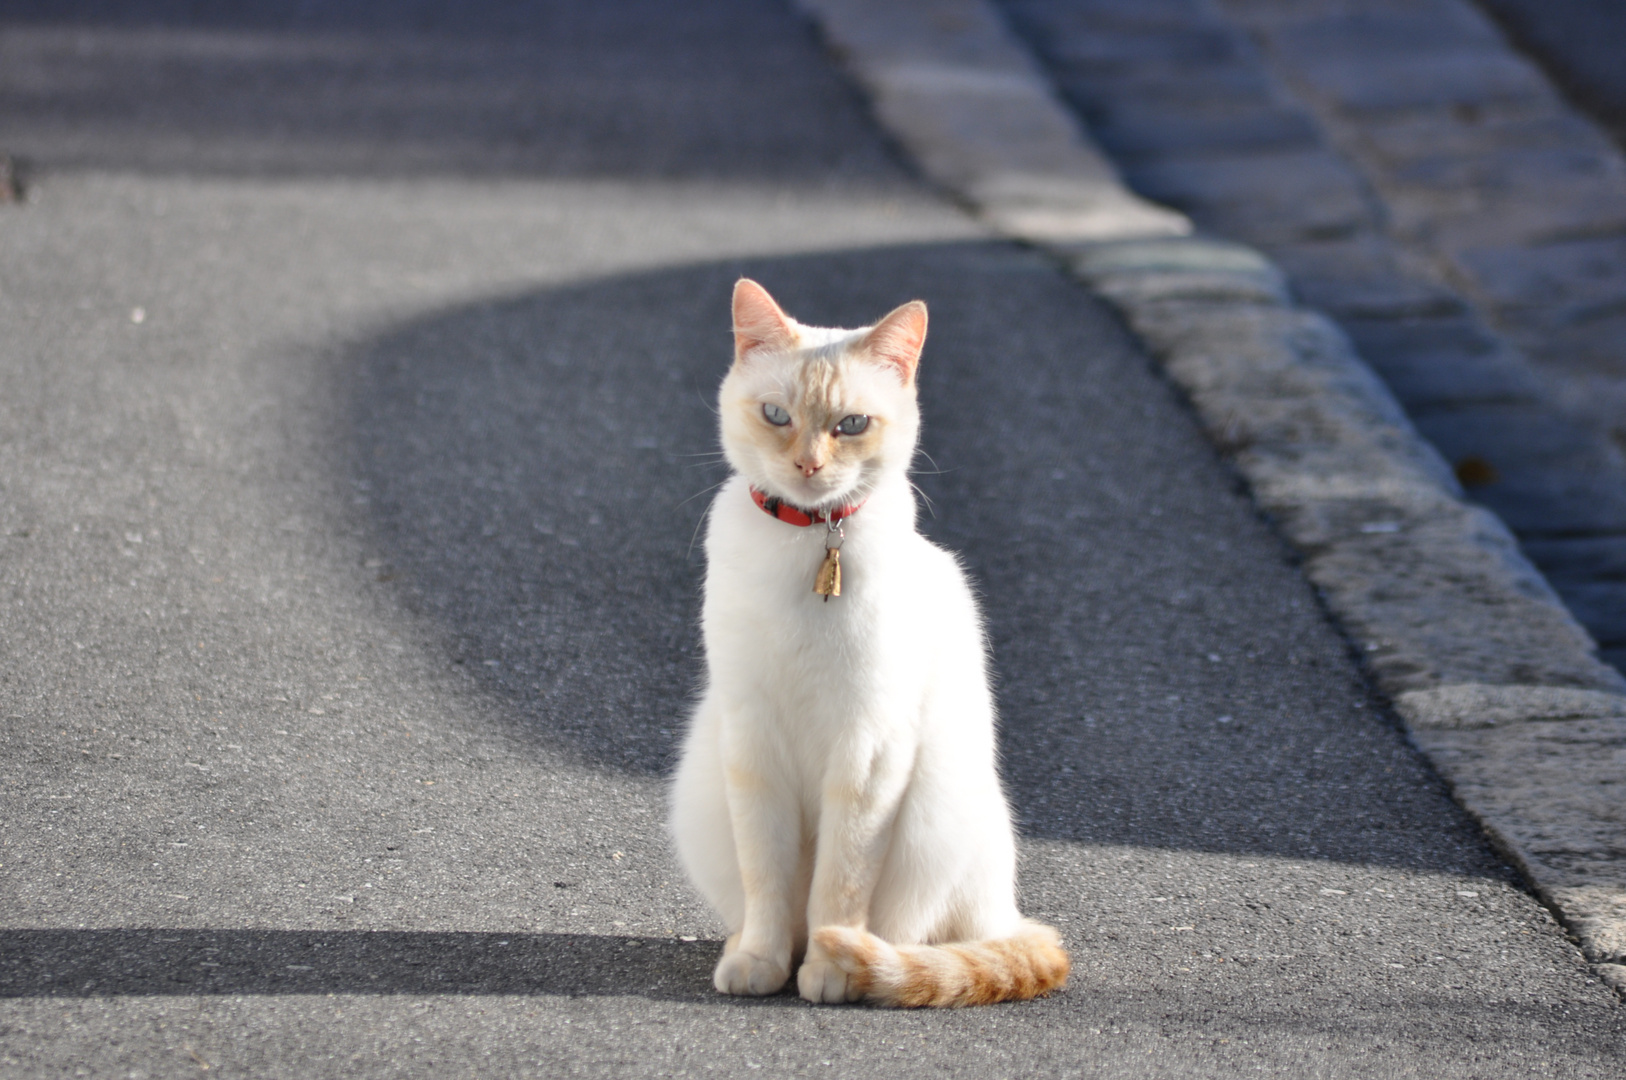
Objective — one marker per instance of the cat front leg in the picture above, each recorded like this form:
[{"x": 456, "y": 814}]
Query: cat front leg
[
  {"x": 858, "y": 810},
  {"x": 767, "y": 839}
]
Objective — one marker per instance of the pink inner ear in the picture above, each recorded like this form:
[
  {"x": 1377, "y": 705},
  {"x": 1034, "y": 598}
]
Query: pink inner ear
[
  {"x": 898, "y": 339},
  {"x": 758, "y": 321}
]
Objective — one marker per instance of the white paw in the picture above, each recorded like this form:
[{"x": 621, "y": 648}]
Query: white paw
[
  {"x": 823, "y": 983},
  {"x": 745, "y": 973}
]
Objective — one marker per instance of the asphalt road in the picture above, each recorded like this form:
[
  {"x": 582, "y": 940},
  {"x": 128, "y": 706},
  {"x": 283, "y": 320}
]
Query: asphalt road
[{"x": 354, "y": 429}]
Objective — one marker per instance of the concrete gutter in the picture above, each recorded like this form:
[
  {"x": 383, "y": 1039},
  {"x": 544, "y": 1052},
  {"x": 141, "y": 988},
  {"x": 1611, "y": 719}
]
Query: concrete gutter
[{"x": 1493, "y": 679}]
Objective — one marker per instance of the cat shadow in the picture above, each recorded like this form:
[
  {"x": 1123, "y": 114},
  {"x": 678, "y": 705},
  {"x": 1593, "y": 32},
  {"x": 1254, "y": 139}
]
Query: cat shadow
[
  {"x": 537, "y": 470},
  {"x": 161, "y": 962},
  {"x": 65, "y": 965}
]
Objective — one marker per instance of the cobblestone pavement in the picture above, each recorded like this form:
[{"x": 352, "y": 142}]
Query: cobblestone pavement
[{"x": 1428, "y": 187}]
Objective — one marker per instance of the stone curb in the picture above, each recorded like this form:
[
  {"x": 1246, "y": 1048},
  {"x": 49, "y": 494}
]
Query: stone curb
[
  {"x": 972, "y": 108},
  {"x": 1493, "y": 678}
]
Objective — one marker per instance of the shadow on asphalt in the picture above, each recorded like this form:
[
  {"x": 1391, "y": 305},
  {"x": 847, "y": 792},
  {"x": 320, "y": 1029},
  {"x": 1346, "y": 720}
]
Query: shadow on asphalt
[
  {"x": 100, "y": 964},
  {"x": 538, "y": 469},
  {"x": 155, "y": 962},
  {"x": 366, "y": 88}
]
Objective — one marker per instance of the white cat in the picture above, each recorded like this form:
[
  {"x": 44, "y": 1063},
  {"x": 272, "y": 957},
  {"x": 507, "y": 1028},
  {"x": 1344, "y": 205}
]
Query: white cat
[{"x": 839, "y": 772}]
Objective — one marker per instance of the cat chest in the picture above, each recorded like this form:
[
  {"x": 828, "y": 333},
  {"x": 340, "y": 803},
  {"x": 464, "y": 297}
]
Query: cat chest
[{"x": 816, "y": 669}]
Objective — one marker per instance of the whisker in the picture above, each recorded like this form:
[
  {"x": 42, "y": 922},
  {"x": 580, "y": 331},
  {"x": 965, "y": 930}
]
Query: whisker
[
  {"x": 695, "y": 535},
  {"x": 701, "y": 492},
  {"x": 936, "y": 470},
  {"x": 931, "y": 507}
]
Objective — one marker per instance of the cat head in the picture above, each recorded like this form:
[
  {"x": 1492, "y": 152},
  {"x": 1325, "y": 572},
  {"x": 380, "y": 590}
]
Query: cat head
[{"x": 819, "y": 417}]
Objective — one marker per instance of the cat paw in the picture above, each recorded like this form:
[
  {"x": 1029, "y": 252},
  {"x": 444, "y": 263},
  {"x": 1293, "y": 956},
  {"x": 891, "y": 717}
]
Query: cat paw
[
  {"x": 822, "y": 982},
  {"x": 748, "y": 974}
]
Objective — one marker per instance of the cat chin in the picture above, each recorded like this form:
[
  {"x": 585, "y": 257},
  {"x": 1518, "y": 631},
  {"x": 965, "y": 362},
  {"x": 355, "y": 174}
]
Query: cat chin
[{"x": 808, "y": 496}]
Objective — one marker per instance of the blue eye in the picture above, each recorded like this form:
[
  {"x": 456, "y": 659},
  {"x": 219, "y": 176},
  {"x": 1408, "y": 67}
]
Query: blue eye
[
  {"x": 775, "y": 415},
  {"x": 852, "y": 425}
]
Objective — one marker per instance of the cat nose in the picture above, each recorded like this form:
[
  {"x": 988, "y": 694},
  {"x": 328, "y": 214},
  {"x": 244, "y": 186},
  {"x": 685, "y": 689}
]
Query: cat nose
[{"x": 809, "y": 469}]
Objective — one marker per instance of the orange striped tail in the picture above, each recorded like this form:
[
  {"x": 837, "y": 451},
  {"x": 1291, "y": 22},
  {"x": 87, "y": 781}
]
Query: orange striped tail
[{"x": 1030, "y": 964}]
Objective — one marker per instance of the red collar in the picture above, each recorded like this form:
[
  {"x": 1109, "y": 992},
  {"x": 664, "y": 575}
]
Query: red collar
[{"x": 775, "y": 507}]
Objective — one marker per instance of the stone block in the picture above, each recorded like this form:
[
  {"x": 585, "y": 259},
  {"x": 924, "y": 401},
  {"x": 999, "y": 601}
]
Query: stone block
[
  {"x": 1148, "y": 128},
  {"x": 1556, "y": 172},
  {"x": 1483, "y": 176},
  {"x": 1548, "y": 501},
  {"x": 1446, "y": 598},
  {"x": 1260, "y": 197},
  {"x": 1548, "y": 473},
  {"x": 1569, "y": 280},
  {"x": 1389, "y": 60},
  {"x": 1426, "y": 382},
  {"x": 1168, "y": 47},
  {"x": 1448, "y": 132},
  {"x": 1097, "y": 214},
  {"x": 1457, "y": 335},
  {"x": 1286, "y": 12},
  {"x": 1596, "y": 913},
  {"x": 1437, "y": 363},
  {"x": 1259, "y": 352},
  {"x": 1219, "y": 87},
  {"x": 1600, "y": 606},
  {"x": 1462, "y": 220},
  {"x": 1135, "y": 273},
  {"x": 1362, "y": 276},
  {"x": 1581, "y": 558},
  {"x": 1556, "y": 792},
  {"x": 1069, "y": 17},
  {"x": 1418, "y": 29},
  {"x": 1415, "y": 81},
  {"x": 1469, "y": 706},
  {"x": 1454, "y": 220},
  {"x": 1413, "y": 216},
  {"x": 1187, "y": 254},
  {"x": 1513, "y": 436},
  {"x": 1591, "y": 354}
]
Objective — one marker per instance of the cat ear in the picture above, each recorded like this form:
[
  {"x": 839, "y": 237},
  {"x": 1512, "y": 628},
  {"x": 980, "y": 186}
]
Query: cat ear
[
  {"x": 758, "y": 321},
  {"x": 897, "y": 339}
]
